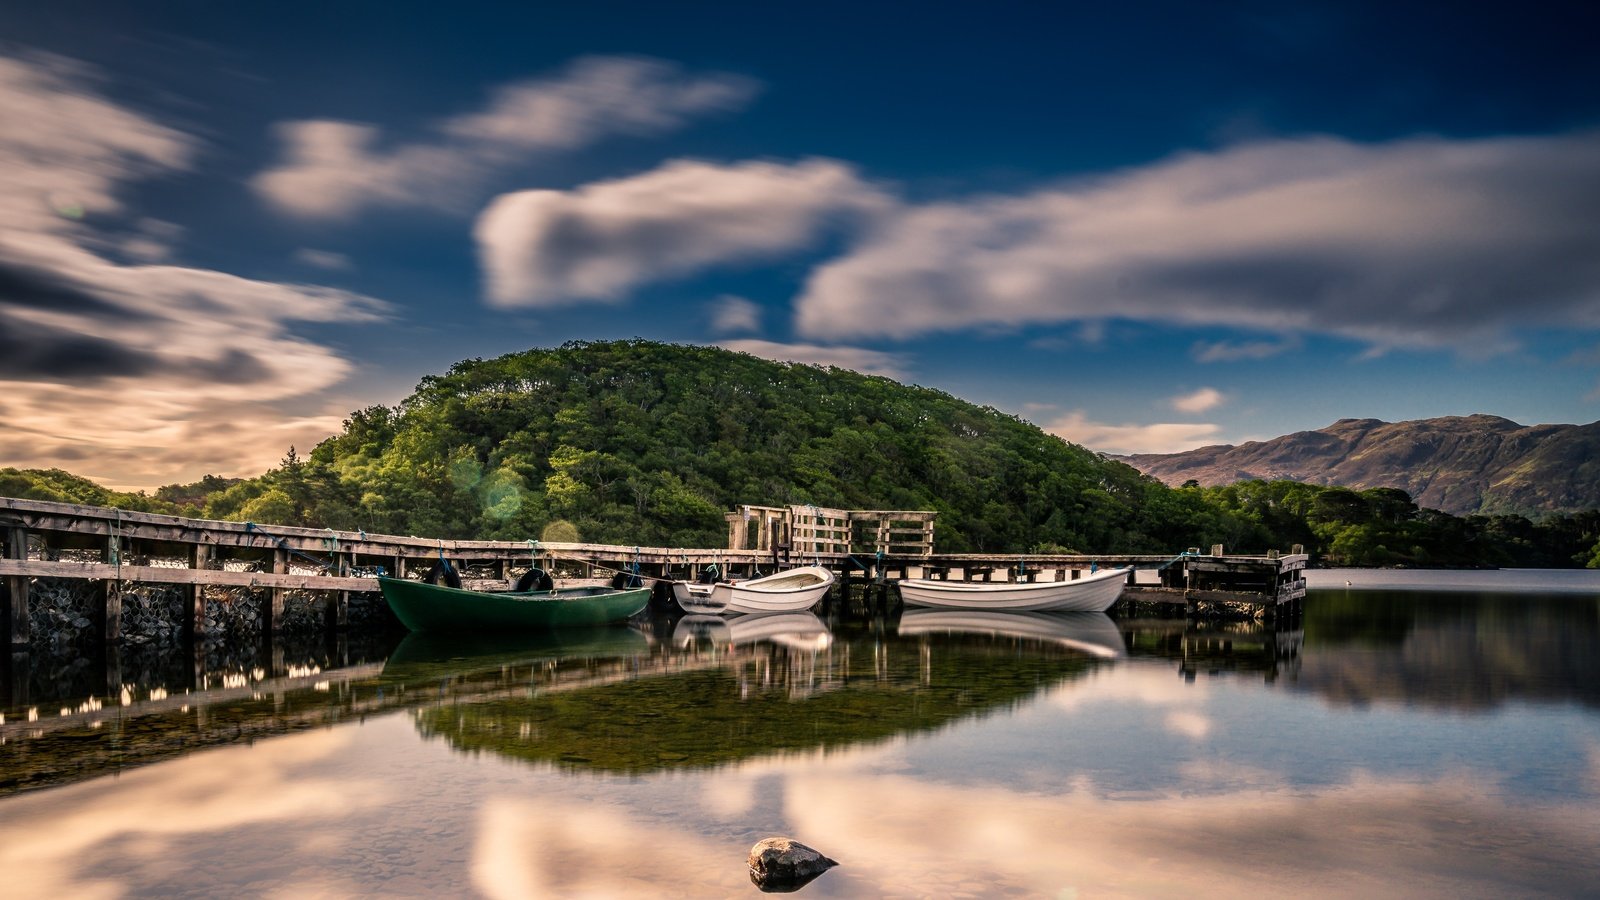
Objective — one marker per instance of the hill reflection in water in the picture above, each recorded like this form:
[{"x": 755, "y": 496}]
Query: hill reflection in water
[
  {"x": 756, "y": 686},
  {"x": 1460, "y": 651}
]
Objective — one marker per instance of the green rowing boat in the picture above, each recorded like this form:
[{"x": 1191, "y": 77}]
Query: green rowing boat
[{"x": 435, "y": 607}]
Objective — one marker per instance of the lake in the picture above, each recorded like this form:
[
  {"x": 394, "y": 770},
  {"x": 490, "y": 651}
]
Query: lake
[{"x": 1413, "y": 734}]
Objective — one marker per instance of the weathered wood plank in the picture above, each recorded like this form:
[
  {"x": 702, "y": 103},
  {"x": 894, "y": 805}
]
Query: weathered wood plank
[{"x": 39, "y": 568}]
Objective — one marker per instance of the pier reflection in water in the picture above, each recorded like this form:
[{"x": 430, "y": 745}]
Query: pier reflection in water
[{"x": 1385, "y": 745}]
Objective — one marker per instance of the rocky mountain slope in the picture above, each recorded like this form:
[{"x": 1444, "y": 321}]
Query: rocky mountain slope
[{"x": 1458, "y": 464}]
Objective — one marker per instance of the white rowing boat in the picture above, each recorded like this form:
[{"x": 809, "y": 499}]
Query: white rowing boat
[
  {"x": 1093, "y": 593},
  {"x": 792, "y": 590}
]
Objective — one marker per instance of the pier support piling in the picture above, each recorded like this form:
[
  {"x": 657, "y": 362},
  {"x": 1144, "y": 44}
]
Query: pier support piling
[{"x": 17, "y": 588}]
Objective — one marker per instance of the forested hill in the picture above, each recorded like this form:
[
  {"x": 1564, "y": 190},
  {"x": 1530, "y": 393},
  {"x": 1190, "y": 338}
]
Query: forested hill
[
  {"x": 641, "y": 443},
  {"x": 1457, "y": 464},
  {"x": 634, "y": 442}
]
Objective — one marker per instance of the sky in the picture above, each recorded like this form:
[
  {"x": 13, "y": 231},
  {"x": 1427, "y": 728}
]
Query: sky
[{"x": 1145, "y": 227}]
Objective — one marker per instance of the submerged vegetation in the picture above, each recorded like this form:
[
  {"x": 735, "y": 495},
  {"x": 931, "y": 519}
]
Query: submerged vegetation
[{"x": 635, "y": 442}]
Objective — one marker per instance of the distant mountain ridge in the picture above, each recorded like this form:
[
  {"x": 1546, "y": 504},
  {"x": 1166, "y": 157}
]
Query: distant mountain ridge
[{"x": 1457, "y": 464}]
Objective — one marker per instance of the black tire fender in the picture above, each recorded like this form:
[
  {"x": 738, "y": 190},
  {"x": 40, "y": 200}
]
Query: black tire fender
[
  {"x": 534, "y": 580},
  {"x": 442, "y": 572}
]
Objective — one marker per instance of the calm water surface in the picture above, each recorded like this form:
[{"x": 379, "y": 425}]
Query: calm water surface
[{"x": 1392, "y": 743}]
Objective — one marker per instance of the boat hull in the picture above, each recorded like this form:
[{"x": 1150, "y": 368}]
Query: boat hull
[
  {"x": 794, "y": 590},
  {"x": 429, "y": 607},
  {"x": 1095, "y": 593}
]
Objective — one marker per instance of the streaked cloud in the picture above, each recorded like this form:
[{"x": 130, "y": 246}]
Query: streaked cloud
[
  {"x": 322, "y": 259},
  {"x": 869, "y": 362},
  {"x": 1204, "y": 399},
  {"x": 1417, "y": 243},
  {"x": 600, "y": 241},
  {"x": 149, "y": 371},
  {"x": 1164, "y": 437},
  {"x": 332, "y": 169},
  {"x": 1377, "y": 835},
  {"x": 1236, "y": 351},
  {"x": 730, "y": 315},
  {"x": 272, "y": 787}
]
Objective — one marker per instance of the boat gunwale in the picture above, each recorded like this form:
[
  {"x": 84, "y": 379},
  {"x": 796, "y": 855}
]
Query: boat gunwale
[
  {"x": 984, "y": 587},
  {"x": 825, "y": 578},
  {"x": 554, "y": 595}
]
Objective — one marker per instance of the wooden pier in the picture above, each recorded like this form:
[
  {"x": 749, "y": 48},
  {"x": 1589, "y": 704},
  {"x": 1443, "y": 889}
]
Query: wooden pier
[{"x": 115, "y": 550}]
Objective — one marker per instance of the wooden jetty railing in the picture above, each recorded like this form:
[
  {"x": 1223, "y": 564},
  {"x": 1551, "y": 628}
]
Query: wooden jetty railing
[{"x": 116, "y": 548}]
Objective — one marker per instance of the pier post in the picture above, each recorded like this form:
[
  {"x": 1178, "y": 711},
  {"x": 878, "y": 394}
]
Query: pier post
[
  {"x": 272, "y": 610},
  {"x": 17, "y": 588},
  {"x": 194, "y": 598},
  {"x": 111, "y": 613},
  {"x": 339, "y": 610},
  {"x": 107, "y": 609},
  {"x": 18, "y": 666}
]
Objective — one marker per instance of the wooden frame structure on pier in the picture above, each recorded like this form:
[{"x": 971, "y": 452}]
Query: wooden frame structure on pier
[{"x": 817, "y": 532}]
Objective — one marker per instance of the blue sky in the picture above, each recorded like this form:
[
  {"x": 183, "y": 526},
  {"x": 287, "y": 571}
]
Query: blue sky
[{"x": 1146, "y": 227}]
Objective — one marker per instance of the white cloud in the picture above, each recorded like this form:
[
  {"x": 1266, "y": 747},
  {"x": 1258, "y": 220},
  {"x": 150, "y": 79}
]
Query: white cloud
[
  {"x": 322, "y": 259},
  {"x": 1167, "y": 437},
  {"x": 550, "y": 248},
  {"x": 870, "y": 362},
  {"x": 1234, "y": 351},
  {"x": 1424, "y": 242},
  {"x": 1188, "y": 723},
  {"x": 145, "y": 373},
  {"x": 1199, "y": 401},
  {"x": 731, "y": 314},
  {"x": 334, "y": 169}
]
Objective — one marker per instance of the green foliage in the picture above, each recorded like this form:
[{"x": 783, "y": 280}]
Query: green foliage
[
  {"x": 561, "y": 531},
  {"x": 272, "y": 506},
  {"x": 64, "y": 487},
  {"x": 1383, "y": 527},
  {"x": 191, "y": 499}
]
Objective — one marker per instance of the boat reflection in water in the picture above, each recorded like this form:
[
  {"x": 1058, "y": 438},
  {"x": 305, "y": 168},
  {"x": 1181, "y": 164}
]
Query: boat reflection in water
[
  {"x": 801, "y": 631},
  {"x": 423, "y": 653},
  {"x": 1092, "y": 633}
]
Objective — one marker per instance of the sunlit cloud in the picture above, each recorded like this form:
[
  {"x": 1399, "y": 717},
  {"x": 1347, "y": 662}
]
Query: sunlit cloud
[
  {"x": 1164, "y": 437},
  {"x": 1199, "y": 401},
  {"x": 600, "y": 241},
  {"x": 335, "y": 169},
  {"x": 271, "y": 786},
  {"x": 1417, "y": 243},
  {"x": 869, "y": 362},
  {"x": 1414, "y": 838},
  {"x": 549, "y": 848},
  {"x": 127, "y": 365},
  {"x": 1188, "y": 723},
  {"x": 1121, "y": 685},
  {"x": 731, "y": 315}
]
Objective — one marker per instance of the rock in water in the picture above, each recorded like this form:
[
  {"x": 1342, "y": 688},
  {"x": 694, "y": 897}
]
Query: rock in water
[{"x": 781, "y": 865}]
